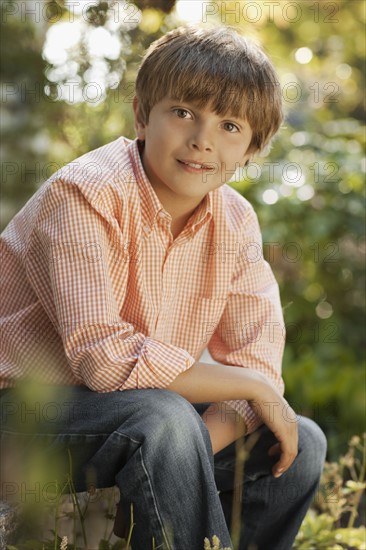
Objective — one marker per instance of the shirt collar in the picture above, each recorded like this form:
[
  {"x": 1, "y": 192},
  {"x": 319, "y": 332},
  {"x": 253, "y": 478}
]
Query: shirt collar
[{"x": 151, "y": 206}]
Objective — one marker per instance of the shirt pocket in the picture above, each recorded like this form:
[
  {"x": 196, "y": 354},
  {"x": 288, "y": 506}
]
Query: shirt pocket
[{"x": 194, "y": 319}]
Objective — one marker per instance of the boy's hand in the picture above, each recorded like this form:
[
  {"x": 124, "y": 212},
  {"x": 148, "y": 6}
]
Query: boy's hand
[{"x": 281, "y": 419}]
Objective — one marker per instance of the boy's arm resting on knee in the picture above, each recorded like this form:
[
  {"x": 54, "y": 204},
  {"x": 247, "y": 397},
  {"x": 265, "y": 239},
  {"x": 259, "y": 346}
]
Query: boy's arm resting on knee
[{"x": 205, "y": 382}]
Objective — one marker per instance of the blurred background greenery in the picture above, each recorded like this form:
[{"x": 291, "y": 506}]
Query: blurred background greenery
[{"x": 68, "y": 73}]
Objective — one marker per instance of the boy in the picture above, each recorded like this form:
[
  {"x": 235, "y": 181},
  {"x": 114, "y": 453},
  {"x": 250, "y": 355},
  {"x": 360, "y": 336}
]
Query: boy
[{"x": 129, "y": 263}]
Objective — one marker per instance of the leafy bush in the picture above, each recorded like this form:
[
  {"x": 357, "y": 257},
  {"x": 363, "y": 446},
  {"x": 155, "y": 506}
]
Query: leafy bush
[{"x": 337, "y": 503}]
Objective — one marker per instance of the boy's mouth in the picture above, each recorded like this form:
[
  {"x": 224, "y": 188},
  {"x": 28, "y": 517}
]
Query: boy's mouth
[{"x": 199, "y": 166}]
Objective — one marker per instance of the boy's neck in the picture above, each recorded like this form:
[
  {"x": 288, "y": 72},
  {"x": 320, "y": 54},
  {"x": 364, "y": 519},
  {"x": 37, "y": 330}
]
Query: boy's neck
[{"x": 179, "y": 208}]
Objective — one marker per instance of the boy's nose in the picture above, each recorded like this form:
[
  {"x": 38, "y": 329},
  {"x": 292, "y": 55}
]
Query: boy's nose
[{"x": 201, "y": 140}]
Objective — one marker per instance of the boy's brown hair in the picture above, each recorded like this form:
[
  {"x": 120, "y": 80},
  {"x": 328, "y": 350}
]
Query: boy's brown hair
[{"x": 216, "y": 67}]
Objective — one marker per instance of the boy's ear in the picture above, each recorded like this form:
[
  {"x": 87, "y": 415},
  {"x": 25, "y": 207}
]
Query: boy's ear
[{"x": 139, "y": 125}]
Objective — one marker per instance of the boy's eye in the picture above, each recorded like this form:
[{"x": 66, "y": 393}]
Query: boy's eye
[
  {"x": 181, "y": 113},
  {"x": 231, "y": 127}
]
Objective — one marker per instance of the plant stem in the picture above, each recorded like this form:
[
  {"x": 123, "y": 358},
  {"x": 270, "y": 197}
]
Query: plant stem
[
  {"x": 56, "y": 515},
  {"x": 77, "y": 505},
  {"x": 358, "y": 495},
  {"x": 242, "y": 450},
  {"x": 131, "y": 528}
]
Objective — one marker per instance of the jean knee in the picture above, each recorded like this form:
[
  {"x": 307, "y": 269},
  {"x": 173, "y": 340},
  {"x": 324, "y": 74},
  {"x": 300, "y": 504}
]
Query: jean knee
[
  {"x": 312, "y": 446},
  {"x": 169, "y": 419}
]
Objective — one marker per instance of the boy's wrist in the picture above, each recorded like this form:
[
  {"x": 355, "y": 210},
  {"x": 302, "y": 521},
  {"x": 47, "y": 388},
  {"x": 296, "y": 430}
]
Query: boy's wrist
[{"x": 257, "y": 384}]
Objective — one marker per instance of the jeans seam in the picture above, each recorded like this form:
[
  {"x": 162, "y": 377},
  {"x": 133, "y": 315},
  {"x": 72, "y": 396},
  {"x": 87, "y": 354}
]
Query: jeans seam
[
  {"x": 128, "y": 437},
  {"x": 154, "y": 499}
]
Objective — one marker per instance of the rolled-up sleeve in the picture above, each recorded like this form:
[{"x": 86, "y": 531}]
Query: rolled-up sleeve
[
  {"x": 251, "y": 331},
  {"x": 79, "y": 272}
]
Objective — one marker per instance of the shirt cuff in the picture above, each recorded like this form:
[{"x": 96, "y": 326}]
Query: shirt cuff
[
  {"x": 251, "y": 419},
  {"x": 158, "y": 365}
]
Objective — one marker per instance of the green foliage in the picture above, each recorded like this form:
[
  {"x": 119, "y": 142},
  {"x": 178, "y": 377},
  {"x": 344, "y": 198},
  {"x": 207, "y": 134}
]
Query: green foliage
[
  {"x": 337, "y": 504},
  {"x": 317, "y": 532}
]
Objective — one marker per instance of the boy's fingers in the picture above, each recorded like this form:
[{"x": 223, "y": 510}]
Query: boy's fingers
[
  {"x": 288, "y": 455},
  {"x": 286, "y": 447},
  {"x": 281, "y": 466},
  {"x": 284, "y": 463},
  {"x": 278, "y": 469}
]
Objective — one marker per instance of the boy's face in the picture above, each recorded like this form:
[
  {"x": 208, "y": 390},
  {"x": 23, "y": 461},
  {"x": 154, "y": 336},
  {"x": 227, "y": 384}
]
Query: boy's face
[{"x": 190, "y": 151}]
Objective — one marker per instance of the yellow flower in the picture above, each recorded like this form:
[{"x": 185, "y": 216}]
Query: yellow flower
[{"x": 216, "y": 544}]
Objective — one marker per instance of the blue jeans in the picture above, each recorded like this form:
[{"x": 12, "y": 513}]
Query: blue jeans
[{"x": 154, "y": 445}]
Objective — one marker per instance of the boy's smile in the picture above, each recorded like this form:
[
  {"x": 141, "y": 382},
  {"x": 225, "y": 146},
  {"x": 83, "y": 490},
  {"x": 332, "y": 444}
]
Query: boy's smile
[{"x": 190, "y": 151}]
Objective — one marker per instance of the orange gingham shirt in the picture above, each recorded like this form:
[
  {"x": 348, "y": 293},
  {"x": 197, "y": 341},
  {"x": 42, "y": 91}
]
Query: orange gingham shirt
[{"x": 95, "y": 291}]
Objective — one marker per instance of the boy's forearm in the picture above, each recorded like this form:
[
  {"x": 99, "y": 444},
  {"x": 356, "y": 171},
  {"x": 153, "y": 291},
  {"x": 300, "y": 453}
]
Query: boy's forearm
[{"x": 205, "y": 382}]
